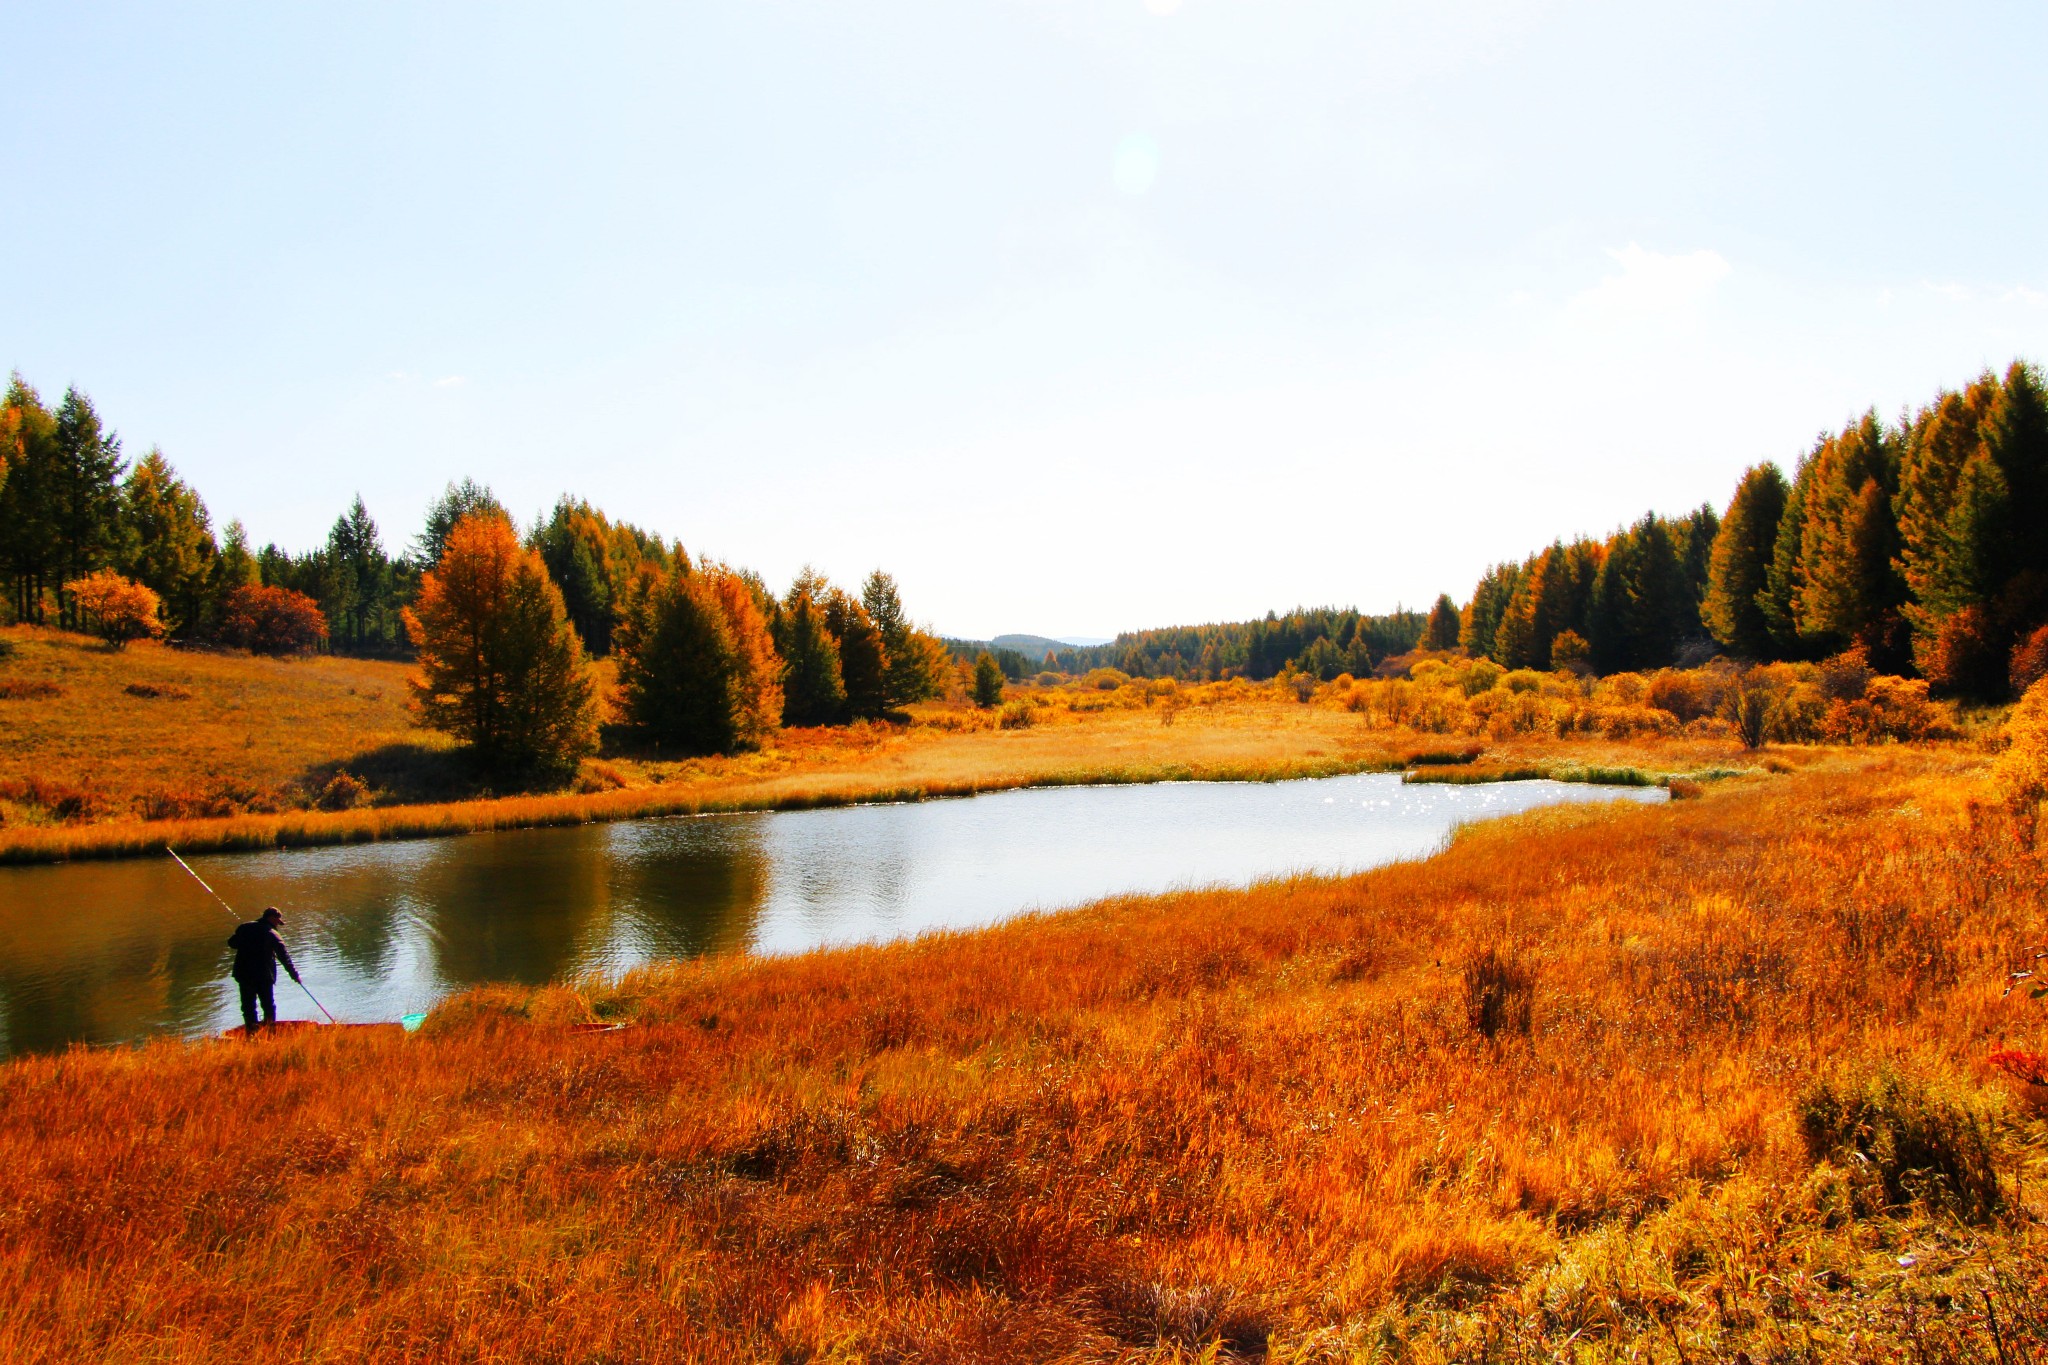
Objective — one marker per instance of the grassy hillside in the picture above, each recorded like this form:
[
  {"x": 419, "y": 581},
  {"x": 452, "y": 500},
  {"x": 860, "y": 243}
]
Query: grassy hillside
[
  {"x": 113, "y": 753},
  {"x": 1656, "y": 1083},
  {"x": 97, "y": 734}
]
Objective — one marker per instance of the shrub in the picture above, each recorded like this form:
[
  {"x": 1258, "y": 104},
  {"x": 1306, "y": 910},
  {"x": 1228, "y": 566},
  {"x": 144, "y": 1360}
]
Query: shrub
[
  {"x": 344, "y": 791},
  {"x": 1966, "y": 655},
  {"x": 1570, "y": 653},
  {"x": 1500, "y": 991},
  {"x": 2029, "y": 661},
  {"x": 158, "y": 691},
  {"x": 1482, "y": 676},
  {"x": 1750, "y": 704},
  {"x": 1844, "y": 677},
  {"x": 119, "y": 609},
  {"x": 28, "y": 689},
  {"x": 1890, "y": 708},
  {"x": 1105, "y": 679},
  {"x": 1016, "y": 716},
  {"x": 2022, "y": 770},
  {"x": 273, "y": 621},
  {"x": 1912, "y": 1139}
]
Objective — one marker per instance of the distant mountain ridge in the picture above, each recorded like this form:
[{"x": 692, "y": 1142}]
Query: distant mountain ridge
[{"x": 1035, "y": 646}]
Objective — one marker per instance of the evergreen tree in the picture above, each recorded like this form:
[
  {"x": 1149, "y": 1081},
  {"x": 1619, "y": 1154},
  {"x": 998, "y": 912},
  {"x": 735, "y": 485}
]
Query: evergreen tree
[
  {"x": 1786, "y": 578},
  {"x": 679, "y": 666},
  {"x": 1481, "y": 619},
  {"x": 28, "y": 535},
  {"x": 457, "y": 501},
  {"x": 1444, "y": 624},
  {"x": 501, "y": 669},
  {"x": 1850, "y": 593},
  {"x": 911, "y": 670},
  {"x": 84, "y": 494},
  {"x": 168, "y": 546},
  {"x": 757, "y": 677},
  {"x": 863, "y": 666},
  {"x": 988, "y": 680},
  {"x": 813, "y": 691},
  {"x": 1738, "y": 573},
  {"x": 359, "y": 601}
]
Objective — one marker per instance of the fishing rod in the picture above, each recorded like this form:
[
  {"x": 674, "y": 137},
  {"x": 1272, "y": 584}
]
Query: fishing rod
[{"x": 238, "y": 919}]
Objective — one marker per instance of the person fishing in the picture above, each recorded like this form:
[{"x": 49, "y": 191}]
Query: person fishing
[{"x": 258, "y": 950}]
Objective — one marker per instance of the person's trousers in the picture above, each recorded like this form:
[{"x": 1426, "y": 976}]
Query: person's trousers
[{"x": 253, "y": 994}]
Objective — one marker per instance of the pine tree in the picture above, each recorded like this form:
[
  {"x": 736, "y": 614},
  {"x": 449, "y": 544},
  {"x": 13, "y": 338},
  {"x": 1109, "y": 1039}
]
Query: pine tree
[
  {"x": 914, "y": 660},
  {"x": 1444, "y": 624},
  {"x": 1851, "y": 593},
  {"x": 168, "y": 542},
  {"x": 28, "y": 537},
  {"x": 457, "y": 500},
  {"x": 359, "y": 578},
  {"x": 679, "y": 666},
  {"x": 813, "y": 691},
  {"x": 84, "y": 494},
  {"x": 1738, "y": 572},
  {"x": 988, "y": 680},
  {"x": 757, "y": 677},
  {"x": 500, "y": 668},
  {"x": 1787, "y": 576},
  {"x": 863, "y": 665}
]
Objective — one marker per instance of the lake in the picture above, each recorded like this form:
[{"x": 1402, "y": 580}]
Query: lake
[{"x": 111, "y": 952}]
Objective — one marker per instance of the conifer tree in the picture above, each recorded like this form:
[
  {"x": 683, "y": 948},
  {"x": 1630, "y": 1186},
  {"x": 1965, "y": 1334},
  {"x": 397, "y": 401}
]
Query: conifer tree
[
  {"x": 168, "y": 542},
  {"x": 863, "y": 667},
  {"x": 1444, "y": 624},
  {"x": 988, "y": 680},
  {"x": 1850, "y": 593},
  {"x": 679, "y": 666},
  {"x": 914, "y": 660},
  {"x": 757, "y": 677},
  {"x": 360, "y": 578},
  {"x": 457, "y": 500},
  {"x": 28, "y": 549},
  {"x": 1787, "y": 576},
  {"x": 1738, "y": 571},
  {"x": 84, "y": 493},
  {"x": 813, "y": 691},
  {"x": 500, "y": 668}
]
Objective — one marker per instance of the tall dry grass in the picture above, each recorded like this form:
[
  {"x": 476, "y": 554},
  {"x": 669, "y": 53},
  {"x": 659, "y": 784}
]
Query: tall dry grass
[{"x": 1656, "y": 1083}]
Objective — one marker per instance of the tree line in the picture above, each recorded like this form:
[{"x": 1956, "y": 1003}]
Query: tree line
[
  {"x": 1322, "y": 641},
  {"x": 1921, "y": 544},
  {"x": 503, "y": 625}
]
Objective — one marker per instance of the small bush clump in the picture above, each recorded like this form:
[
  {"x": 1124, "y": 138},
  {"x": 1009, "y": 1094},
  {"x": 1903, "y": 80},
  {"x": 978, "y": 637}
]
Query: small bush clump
[{"x": 1904, "y": 1139}]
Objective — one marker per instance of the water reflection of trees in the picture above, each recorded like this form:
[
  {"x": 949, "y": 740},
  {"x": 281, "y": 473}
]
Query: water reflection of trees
[
  {"x": 103, "y": 952},
  {"x": 687, "y": 887}
]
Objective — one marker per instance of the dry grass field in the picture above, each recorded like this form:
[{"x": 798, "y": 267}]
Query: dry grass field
[
  {"x": 1651, "y": 1083},
  {"x": 118, "y": 753}
]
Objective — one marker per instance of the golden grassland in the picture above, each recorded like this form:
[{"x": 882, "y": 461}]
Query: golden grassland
[
  {"x": 1656, "y": 1083},
  {"x": 210, "y": 752}
]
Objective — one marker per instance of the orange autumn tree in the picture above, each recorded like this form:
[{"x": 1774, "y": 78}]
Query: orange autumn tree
[
  {"x": 697, "y": 669},
  {"x": 500, "y": 667}
]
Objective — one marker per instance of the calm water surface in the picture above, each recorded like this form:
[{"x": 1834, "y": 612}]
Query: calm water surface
[{"x": 118, "y": 951}]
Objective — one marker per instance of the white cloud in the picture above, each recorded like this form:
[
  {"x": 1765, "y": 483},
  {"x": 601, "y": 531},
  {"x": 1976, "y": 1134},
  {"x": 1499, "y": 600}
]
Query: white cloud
[
  {"x": 1651, "y": 285},
  {"x": 448, "y": 381}
]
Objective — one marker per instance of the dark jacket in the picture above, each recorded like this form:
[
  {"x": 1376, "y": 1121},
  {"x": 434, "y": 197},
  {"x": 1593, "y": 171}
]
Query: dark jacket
[{"x": 258, "y": 950}]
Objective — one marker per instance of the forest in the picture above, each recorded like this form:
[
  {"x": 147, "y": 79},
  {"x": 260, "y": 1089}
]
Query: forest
[
  {"x": 503, "y": 624},
  {"x": 1912, "y": 544}
]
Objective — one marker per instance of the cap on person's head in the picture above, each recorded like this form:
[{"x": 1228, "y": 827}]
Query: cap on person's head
[{"x": 274, "y": 915}]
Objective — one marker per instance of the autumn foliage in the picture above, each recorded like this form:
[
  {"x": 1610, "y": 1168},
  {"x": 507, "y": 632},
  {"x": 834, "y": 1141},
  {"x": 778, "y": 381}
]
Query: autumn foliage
[
  {"x": 273, "y": 621},
  {"x": 117, "y": 609},
  {"x": 500, "y": 668},
  {"x": 1696, "y": 1077}
]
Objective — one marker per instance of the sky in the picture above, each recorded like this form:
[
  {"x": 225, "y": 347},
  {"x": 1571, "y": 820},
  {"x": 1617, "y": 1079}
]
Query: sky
[{"x": 1077, "y": 316}]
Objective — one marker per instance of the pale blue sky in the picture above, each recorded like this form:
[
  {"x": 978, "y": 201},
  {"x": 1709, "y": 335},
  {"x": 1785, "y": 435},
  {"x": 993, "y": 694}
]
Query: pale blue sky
[{"x": 1076, "y": 316}]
